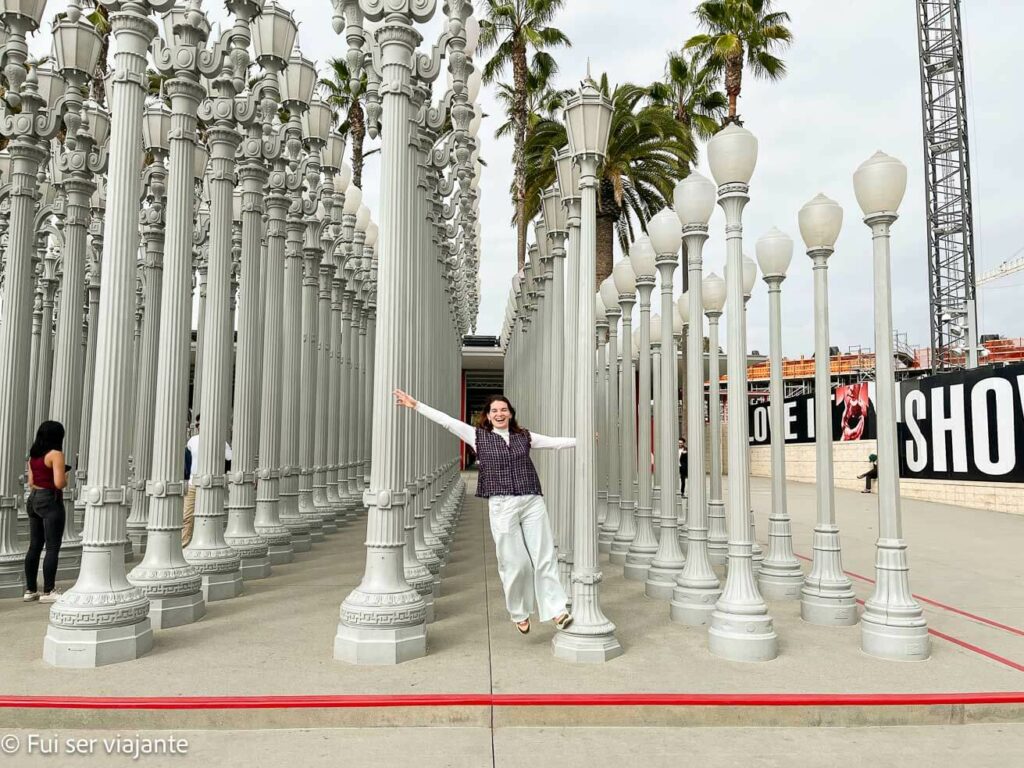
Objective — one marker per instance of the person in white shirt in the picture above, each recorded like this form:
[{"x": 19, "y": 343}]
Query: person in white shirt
[
  {"x": 191, "y": 472},
  {"x": 527, "y": 564}
]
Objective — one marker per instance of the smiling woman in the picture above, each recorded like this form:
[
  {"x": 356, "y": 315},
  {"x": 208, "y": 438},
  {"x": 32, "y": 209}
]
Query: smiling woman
[{"x": 508, "y": 480}]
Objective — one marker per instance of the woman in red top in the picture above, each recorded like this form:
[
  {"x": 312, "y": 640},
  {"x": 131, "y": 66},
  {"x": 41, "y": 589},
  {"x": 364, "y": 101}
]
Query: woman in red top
[{"x": 46, "y": 478}]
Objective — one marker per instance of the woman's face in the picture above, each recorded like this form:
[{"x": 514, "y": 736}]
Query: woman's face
[{"x": 499, "y": 414}]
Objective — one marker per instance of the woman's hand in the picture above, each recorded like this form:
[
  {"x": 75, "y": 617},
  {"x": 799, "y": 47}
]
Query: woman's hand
[{"x": 402, "y": 398}]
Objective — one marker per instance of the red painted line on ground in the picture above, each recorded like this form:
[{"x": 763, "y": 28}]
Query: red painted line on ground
[
  {"x": 976, "y": 649},
  {"x": 514, "y": 700},
  {"x": 943, "y": 606},
  {"x": 970, "y": 647}
]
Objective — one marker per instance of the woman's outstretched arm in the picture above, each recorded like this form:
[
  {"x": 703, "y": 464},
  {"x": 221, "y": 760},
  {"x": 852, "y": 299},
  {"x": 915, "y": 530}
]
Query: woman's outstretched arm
[
  {"x": 542, "y": 442},
  {"x": 461, "y": 430}
]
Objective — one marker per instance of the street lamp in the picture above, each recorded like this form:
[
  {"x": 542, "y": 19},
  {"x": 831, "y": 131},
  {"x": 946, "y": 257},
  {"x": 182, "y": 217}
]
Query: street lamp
[
  {"x": 741, "y": 628},
  {"x": 697, "y": 587},
  {"x": 610, "y": 298},
  {"x": 713, "y": 293},
  {"x": 625, "y": 284},
  {"x": 892, "y": 625},
  {"x": 591, "y": 637},
  {"x": 642, "y": 258},
  {"x": 827, "y": 595},
  {"x": 780, "y": 576},
  {"x": 666, "y": 237}
]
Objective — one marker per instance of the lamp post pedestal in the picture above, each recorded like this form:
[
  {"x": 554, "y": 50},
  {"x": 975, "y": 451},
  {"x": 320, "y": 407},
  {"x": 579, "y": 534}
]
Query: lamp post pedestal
[
  {"x": 780, "y": 576},
  {"x": 827, "y": 596},
  {"x": 892, "y": 624},
  {"x": 741, "y": 628}
]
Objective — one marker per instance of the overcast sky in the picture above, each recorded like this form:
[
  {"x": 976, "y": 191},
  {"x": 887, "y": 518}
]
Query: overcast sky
[{"x": 853, "y": 87}]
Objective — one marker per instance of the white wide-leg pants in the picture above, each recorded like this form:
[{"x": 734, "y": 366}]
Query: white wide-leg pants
[{"x": 527, "y": 563}]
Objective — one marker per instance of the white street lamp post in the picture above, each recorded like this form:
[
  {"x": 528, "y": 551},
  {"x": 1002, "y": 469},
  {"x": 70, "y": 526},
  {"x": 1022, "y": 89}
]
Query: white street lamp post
[
  {"x": 741, "y": 628},
  {"x": 827, "y": 595},
  {"x": 892, "y": 625},
  {"x": 591, "y": 637},
  {"x": 610, "y": 298},
  {"x": 644, "y": 546},
  {"x": 713, "y": 290},
  {"x": 697, "y": 587},
  {"x": 667, "y": 238},
  {"x": 104, "y": 619},
  {"x": 625, "y": 284},
  {"x": 780, "y": 576}
]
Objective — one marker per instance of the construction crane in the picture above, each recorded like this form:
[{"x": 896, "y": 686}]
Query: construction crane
[
  {"x": 954, "y": 324},
  {"x": 1008, "y": 267}
]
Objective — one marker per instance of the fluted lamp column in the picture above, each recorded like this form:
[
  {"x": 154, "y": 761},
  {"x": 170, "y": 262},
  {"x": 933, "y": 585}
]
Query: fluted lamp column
[
  {"x": 697, "y": 587},
  {"x": 741, "y": 628},
  {"x": 666, "y": 237},
  {"x": 104, "y": 619},
  {"x": 625, "y": 285},
  {"x": 892, "y": 625},
  {"x": 780, "y": 576},
  {"x": 644, "y": 546},
  {"x": 827, "y": 596},
  {"x": 27, "y": 152},
  {"x": 610, "y": 299},
  {"x": 591, "y": 637}
]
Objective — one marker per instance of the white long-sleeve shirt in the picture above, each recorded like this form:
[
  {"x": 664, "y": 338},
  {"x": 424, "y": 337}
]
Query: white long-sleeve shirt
[{"x": 467, "y": 433}]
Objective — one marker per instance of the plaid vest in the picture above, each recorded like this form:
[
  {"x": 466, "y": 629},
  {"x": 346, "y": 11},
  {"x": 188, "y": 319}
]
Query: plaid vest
[{"x": 505, "y": 468}]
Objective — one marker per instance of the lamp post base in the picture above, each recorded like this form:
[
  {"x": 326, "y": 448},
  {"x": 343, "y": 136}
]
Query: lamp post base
[
  {"x": 378, "y": 647},
  {"x": 895, "y": 643},
  {"x": 618, "y": 551},
  {"x": 742, "y": 637},
  {"x": 12, "y": 576},
  {"x": 780, "y": 581},
  {"x": 661, "y": 582},
  {"x": 168, "y": 612},
  {"x": 255, "y": 568},
  {"x": 692, "y": 605},
  {"x": 586, "y": 649},
  {"x": 221, "y": 586},
  {"x": 69, "y": 564},
  {"x": 637, "y": 565},
  {"x": 90, "y": 648},
  {"x": 280, "y": 554},
  {"x": 828, "y": 609}
]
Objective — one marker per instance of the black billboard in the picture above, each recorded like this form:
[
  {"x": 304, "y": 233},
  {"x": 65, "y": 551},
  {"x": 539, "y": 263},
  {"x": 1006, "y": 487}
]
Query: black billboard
[
  {"x": 853, "y": 416},
  {"x": 963, "y": 425}
]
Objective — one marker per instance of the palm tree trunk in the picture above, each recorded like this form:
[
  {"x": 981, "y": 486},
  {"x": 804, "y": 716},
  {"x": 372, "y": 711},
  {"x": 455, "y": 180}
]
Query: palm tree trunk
[
  {"x": 357, "y": 130},
  {"x": 519, "y": 116},
  {"x": 605, "y": 246},
  {"x": 733, "y": 82}
]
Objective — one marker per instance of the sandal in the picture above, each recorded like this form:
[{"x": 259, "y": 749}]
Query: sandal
[
  {"x": 523, "y": 626},
  {"x": 564, "y": 621}
]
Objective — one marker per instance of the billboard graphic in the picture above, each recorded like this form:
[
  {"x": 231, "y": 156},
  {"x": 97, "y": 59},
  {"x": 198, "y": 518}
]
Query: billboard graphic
[
  {"x": 853, "y": 416},
  {"x": 963, "y": 425}
]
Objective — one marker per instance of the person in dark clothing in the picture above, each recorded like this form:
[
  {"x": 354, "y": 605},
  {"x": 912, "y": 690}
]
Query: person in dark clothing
[
  {"x": 47, "y": 477},
  {"x": 871, "y": 474},
  {"x": 684, "y": 466}
]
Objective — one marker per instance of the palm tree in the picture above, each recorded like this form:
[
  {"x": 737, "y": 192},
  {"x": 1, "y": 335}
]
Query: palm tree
[
  {"x": 648, "y": 152},
  {"x": 511, "y": 28},
  {"x": 100, "y": 18},
  {"x": 741, "y": 33},
  {"x": 544, "y": 101},
  {"x": 691, "y": 89},
  {"x": 340, "y": 96}
]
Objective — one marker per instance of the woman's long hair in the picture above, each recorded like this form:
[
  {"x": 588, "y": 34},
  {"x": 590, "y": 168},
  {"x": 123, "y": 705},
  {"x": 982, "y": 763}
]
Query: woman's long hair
[
  {"x": 50, "y": 437},
  {"x": 485, "y": 423}
]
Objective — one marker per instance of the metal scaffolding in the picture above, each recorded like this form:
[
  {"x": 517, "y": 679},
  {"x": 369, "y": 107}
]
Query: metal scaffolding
[{"x": 948, "y": 186}]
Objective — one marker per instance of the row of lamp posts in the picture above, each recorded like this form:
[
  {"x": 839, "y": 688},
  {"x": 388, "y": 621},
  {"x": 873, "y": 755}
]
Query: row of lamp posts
[
  {"x": 612, "y": 509},
  {"x": 285, "y": 363}
]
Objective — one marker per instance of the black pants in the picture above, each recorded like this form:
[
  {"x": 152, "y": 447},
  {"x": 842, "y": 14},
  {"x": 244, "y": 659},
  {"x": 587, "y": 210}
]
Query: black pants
[{"x": 46, "y": 525}]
